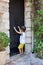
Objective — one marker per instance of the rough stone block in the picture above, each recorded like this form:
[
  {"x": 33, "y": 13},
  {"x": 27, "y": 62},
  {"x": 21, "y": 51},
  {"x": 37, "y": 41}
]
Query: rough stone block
[
  {"x": 28, "y": 28},
  {"x": 27, "y": 9},
  {"x": 28, "y": 34},
  {"x": 27, "y": 4},
  {"x": 27, "y": 15},
  {"x": 28, "y": 22},
  {"x": 27, "y": 48},
  {"x": 28, "y": 40}
]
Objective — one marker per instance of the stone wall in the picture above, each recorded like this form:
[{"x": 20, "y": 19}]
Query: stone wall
[
  {"x": 4, "y": 20},
  {"x": 28, "y": 25},
  {"x": 4, "y": 16}
]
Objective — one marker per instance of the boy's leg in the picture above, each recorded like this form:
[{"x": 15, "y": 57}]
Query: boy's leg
[
  {"x": 23, "y": 49},
  {"x": 20, "y": 51},
  {"x": 20, "y": 47}
]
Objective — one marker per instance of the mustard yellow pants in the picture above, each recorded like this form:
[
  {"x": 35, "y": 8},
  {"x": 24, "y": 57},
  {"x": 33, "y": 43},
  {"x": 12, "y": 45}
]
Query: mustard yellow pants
[{"x": 20, "y": 46}]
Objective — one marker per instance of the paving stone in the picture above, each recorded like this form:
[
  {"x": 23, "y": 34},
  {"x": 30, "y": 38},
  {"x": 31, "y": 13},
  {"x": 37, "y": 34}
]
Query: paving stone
[{"x": 28, "y": 59}]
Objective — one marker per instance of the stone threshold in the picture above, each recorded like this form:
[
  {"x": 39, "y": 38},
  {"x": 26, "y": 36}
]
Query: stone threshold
[{"x": 16, "y": 57}]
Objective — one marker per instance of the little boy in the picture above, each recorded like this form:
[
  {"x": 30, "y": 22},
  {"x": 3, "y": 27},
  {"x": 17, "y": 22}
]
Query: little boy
[{"x": 22, "y": 37}]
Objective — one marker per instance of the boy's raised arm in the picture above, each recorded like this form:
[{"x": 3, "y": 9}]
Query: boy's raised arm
[
  {"x": 19, "y": 28},
  {"x": 17, "y": 31}
]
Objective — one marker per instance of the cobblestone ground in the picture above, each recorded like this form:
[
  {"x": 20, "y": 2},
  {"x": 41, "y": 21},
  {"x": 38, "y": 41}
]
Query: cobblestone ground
[{"x": 26, "y": 59}]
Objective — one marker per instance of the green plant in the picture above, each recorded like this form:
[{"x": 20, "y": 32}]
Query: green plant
[
  {"x": 38, "y": 33},
  {"x": 4, "y": 40}
]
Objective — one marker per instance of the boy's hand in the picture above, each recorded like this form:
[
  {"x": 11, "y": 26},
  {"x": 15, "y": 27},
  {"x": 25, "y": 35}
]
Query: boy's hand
[
  {"x": 18, "y": 26},
  {"x": 14, "y": 28}
]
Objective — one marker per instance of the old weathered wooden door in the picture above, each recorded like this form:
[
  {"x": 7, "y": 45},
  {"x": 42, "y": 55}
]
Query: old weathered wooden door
[{"x": 16, "y": 15}]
